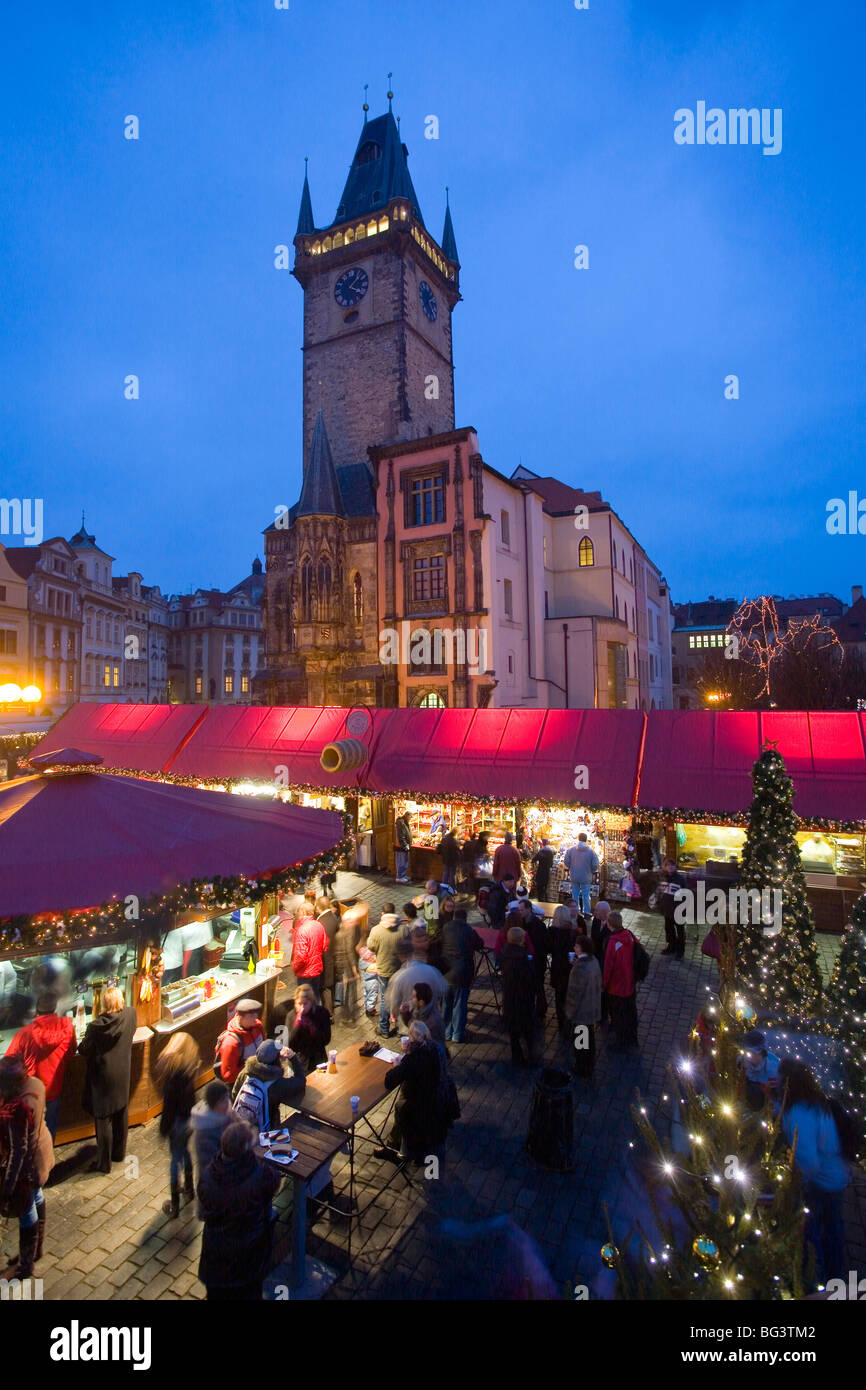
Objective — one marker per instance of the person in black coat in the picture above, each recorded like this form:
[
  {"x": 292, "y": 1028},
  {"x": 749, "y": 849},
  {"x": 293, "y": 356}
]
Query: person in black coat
[
  {"x": 309, "y": 1029},
  {"x": 420, "y": 1121},
  {"x": 670, "y": 881},
  {"x": 542, "y": 863},
  {"x": 459, "y": 944},
  {"x": 329, "y": 918},
  {"x": 536, "y": 931},
  {"x": 107, "y": 1047},
  {"x": 560, "y": 939},
  {"x": 235, "y": 1195},
  {"x": 518, "y": 995},
  {"x": 449, "y": 851},
  {"x": 500, "y": 896}
]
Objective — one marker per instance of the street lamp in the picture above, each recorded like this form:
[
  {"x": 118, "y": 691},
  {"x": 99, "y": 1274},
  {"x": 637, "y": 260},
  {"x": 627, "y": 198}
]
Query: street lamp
[{"x": 12, "y": 694}]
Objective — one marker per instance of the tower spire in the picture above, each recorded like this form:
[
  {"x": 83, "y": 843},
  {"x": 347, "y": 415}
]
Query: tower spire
[
  {"x": 306, "y": 224},
  {"x": 320, "y": 494},
  {"x": 366, "y": 102},
  {"x": 390, "y": 93},
  {"x": 449, "y": 241}
]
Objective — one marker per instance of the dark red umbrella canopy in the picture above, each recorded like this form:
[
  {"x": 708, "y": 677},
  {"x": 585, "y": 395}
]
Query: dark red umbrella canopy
[{"x": 75, "y": 840}]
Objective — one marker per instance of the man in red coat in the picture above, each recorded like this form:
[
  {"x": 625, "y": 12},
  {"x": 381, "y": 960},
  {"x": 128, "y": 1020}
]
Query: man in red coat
[
  {"x": 308, "y": 950},
  {"x": 506, "y": 861},
  {"x": 240, "y": 1040},
  {"x": 619, "y": 982},
  {"x": 45, "y": 1047}
]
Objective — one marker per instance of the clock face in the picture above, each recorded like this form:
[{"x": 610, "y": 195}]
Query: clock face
[
  {"x": 351, "y": 287},
  {"x": 428, "y": 301}
]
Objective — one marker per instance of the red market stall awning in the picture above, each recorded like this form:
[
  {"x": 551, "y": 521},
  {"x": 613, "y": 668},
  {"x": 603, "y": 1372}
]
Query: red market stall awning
[
  {"x": 143, "y": 737},
  {"x": 265, "y": 744},
  {"x": 690, "y": 759},
  {"x": 75, "y": 840},
  {"x": 508, "y": 754},
  {"x": 702, "y": 760}
]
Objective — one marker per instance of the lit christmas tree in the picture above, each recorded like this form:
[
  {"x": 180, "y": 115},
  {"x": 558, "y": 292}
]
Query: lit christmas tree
[
  {"x": 787, "y": 976},
  {"x": 846, "y": 1003},
  {"x": 728, "y": 1215}
]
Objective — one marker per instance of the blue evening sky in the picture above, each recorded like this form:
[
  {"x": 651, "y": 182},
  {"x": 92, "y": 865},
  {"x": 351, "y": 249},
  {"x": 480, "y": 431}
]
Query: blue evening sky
[{"x": 556, "y": 128}]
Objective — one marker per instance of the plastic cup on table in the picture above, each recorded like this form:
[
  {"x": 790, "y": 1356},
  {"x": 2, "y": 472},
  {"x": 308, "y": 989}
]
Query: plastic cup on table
[
  {"x": 354, "y": 1101},
  {"x": 404, "y": 1043}
]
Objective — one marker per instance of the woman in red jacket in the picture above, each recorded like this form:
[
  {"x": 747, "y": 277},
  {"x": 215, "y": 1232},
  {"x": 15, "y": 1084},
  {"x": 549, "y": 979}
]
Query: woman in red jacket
[
  {"x": 619, "y": 982},
  {"x": 309, "y": 945},
  {"x": 45, "y": 1047}
]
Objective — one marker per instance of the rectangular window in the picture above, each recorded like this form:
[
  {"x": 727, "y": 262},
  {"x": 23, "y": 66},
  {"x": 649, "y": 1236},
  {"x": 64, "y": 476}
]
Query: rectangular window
[
  {"x": 2, "y": 593},
  {"x": 198, "y": 685},
  {"x": 428, "y": 577},
  {"x": 509, "y": 600},
  {"x": 8, "y": 641},
  {"x": 505, "y": 529},
  {"x": 428, "y": 500},
  {"x": 546, "y": 604},
  {"x": 245, "y": 685},
  {"x": 229, "y": 685},
  {"x": 544, "y": 551},
  {"x": 70, "y": 681},
  {"x": 115, "y": 677},
  {"x": 106, "y": 676}
]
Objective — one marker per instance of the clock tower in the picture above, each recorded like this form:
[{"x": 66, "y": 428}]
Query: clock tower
[{"x": 379, "y": 292}]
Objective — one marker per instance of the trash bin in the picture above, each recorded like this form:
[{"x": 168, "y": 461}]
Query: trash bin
[{"x": 550, "y": 1137}]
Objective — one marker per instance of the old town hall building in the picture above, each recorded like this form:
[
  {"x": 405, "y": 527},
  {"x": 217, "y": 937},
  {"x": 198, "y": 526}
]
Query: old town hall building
[{"x": 402, "y": 527}]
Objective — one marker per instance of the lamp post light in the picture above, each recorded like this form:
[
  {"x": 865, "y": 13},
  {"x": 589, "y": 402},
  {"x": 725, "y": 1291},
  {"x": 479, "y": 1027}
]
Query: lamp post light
[{"x": 13, "y": 695}]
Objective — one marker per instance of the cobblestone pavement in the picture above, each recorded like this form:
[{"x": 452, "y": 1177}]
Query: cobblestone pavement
[{"x": 107, "y": 1237}]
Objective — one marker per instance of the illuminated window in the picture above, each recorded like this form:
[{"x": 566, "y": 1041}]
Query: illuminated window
[
  {"x": 358, "y": 600},
  {"x": 350, "y": 236},
  {"x": 229, "y": 685},
  {"x": 317, "y": 248},
  {"x": 360, "y": 231},
  {"x": 372, "y": 227},
  {"x": 245, "y": 685},
  {"x": 585, "y": 552},
  {"x": 428, "y": 577},
  {"x": 115, "y": 676},
  {"x": 431, "y": 700},
  {"x": 384, "y": 224},
  {"x": 198, "y": 685},
  {"x": 404, "y": 213},
  {"x": 106, "y": 677},
  {"x": 327, "y": 244},
  {"x": 338, "y": 239}
]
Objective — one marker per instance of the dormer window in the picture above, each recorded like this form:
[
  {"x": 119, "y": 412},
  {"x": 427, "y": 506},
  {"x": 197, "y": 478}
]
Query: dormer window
[{"x": 368, "y": 152}]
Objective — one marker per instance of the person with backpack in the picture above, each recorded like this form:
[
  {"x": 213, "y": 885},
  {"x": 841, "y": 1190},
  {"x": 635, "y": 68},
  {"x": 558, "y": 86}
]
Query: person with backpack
[
  {"x": 262, "y": 1087},
  {"x": 238, "y": 1041},
  {"x": 807, "y": 1117},
  {"x": 46, "y": 1045},
  {"x": 235, "y": 1196},
  {"x": 175, "y": 1074},
  {"x": 619, "y": 979},
  {"x": 26, "y": 1159}
]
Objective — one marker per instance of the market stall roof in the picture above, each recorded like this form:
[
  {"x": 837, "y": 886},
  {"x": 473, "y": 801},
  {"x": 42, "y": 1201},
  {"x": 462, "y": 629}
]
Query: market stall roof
[
  {"x": 702, "y": 760},
  {"x": 693, "y": 759},
  {"x": 509, "y": 754},
  {"x": 143, "y": 737},
  {"x": 255, "y": 741},
  {"x": 74, "y": 840}
]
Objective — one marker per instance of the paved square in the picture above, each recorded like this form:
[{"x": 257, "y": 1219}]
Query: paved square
[{"x": 107, "y": 1237}]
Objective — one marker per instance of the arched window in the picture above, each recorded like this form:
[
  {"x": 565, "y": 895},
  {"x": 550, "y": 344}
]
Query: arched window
[
  {"x": 357, "y": 600},
  {"x": 338, "y": 239},
  {"x": 350, "y": 236},
  {"x": 586, "y": 552},
  {"x": 326, "y": 244},
  {"x": 306, "y": 592},
  {"x": 384, "y": 223},
  {"x": 368, "y": 152},
  {"x": 430, "y": 699},
  {"x": 372, "y": 227},
  {"x": 323, "y": 578}
]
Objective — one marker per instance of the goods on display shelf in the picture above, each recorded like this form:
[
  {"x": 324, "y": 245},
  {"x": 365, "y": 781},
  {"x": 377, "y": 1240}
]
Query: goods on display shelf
[
  {"x": 606, "y": 832},
  {"x": 821, "y": 852},
  {"x": 428, "y": 820}
]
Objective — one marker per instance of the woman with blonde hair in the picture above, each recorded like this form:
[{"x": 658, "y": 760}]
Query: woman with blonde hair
[
  {"x": 309, "y": 1028},
  {"x": 560, "y": 942},
  {"x": 175, "y": 1074},
  {"x": 107, "y": 1048}
]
